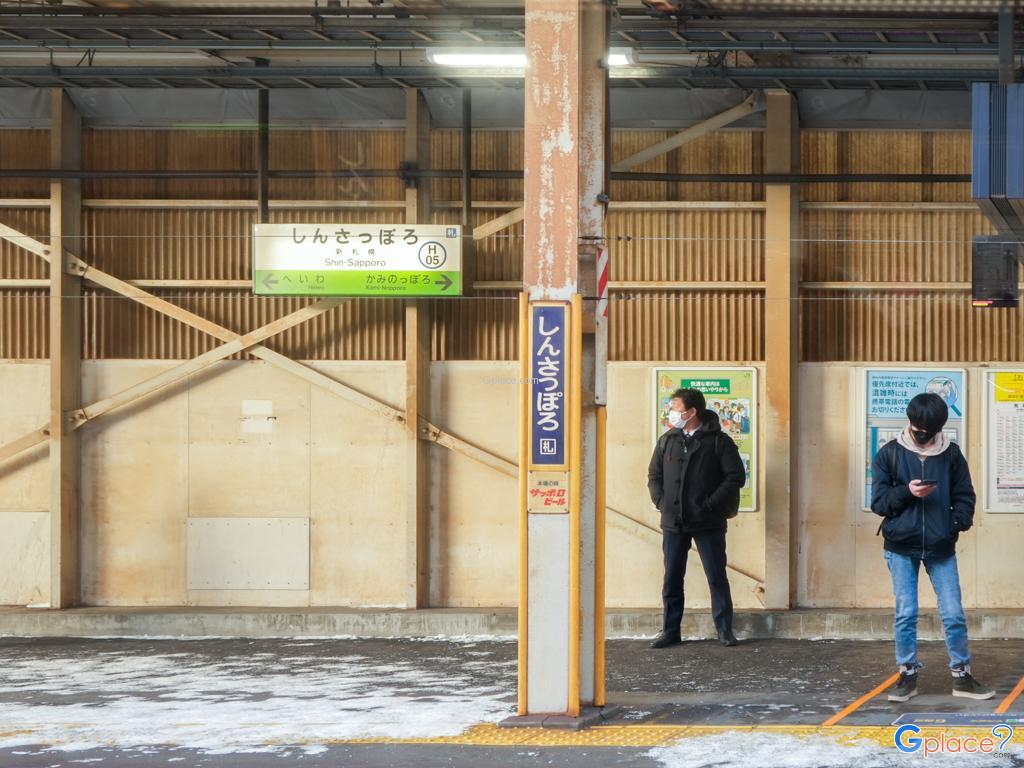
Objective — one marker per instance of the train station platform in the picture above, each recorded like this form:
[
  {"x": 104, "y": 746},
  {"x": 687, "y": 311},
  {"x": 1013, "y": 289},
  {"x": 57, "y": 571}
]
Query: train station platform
[{"x": 431, "y": 702}]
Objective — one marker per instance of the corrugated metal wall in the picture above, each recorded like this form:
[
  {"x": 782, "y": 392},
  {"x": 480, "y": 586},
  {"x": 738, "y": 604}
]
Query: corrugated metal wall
[
  {"x": 688, "y": 276},
  {"x": 24, "y": 311},
  {"x": 886, "y": 268}
]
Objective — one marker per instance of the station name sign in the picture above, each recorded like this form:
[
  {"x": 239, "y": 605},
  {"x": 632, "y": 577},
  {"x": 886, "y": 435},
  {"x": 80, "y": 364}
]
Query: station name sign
[
  {"x": 549, "y": 407},
  {"x": 392, "y": 260}
]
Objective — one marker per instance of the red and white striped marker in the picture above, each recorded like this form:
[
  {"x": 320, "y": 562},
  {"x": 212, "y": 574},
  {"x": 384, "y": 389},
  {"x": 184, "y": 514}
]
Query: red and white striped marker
[{"x": 602, "y": 282}]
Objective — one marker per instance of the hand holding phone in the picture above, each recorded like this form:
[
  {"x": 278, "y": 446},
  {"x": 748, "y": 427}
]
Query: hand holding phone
[{"x": 922, "y": 488}]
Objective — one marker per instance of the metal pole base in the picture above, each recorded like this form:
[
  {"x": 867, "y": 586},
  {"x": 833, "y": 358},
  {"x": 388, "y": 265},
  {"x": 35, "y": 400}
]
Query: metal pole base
[{"x": 589, "y": 716}]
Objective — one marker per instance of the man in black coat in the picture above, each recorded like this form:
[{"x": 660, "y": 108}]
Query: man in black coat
[{"x": 695, "y": 478}]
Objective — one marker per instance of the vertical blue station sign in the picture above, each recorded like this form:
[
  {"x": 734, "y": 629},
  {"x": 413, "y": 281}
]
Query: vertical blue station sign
[{"x": 549, "y": 353}]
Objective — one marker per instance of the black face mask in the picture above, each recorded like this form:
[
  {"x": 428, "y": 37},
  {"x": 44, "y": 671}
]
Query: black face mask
[{"x": 922, "y": 437}]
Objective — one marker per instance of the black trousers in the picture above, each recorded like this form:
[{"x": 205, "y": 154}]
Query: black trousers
[{"x": 711, "y": 548}]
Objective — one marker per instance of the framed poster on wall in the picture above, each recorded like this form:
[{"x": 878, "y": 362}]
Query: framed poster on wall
[
  {"x": 729, "y": 392},
  {"x": 1004, "y": 441},
  {"x": 887, "y": 393}
]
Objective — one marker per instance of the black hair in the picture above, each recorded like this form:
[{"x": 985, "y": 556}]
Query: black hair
[
  {"x": 928, "y": 411},
  {"x": 692, "y": 398}
]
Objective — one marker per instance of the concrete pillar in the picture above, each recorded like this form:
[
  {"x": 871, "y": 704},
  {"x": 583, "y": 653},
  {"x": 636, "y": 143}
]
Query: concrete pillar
[
  {"x": 780, "y": 320},
  {"x": 561, "y": 647},
  {"x": 65, "y": 354}
]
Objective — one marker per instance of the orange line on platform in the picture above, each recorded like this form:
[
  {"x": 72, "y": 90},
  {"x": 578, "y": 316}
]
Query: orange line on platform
[
  {"x": 1008, "y": 701},
  {"x": 857, "y": 704}
]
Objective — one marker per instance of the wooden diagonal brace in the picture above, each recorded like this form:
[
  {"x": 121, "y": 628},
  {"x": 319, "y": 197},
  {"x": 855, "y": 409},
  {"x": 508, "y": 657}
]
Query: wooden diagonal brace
[
  {"x": 235, "y": 342},
  {"x": 499, "y": 223},
  {"x": 284, "y": 362},
  {"x": 753, "y": 103},
  {"x": 26, "y": 242},
  {"x": 196, "y": 364},
  {"x": 24, "y": 442}
]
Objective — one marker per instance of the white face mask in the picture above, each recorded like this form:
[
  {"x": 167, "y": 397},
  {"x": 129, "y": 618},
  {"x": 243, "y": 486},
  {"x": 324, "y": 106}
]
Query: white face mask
[{"x": 676, "y": 420}]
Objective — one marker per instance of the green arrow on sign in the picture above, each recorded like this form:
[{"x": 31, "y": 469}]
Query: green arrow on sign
[
  {"x": 269, "y": 281},
  {"x": 445, "y": 282}
]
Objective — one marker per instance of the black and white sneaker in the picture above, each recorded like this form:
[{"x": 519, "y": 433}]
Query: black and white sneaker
[
  {"x": 906, "y": 687},
  {"x": 965, "y": 686}
]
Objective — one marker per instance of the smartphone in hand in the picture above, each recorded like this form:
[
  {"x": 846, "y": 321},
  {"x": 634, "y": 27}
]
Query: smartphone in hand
[{"x": 927, "y": 483}]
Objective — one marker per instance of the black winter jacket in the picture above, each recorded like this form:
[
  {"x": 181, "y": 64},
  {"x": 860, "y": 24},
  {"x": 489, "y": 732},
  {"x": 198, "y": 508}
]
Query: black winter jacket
[
  {"x": 929, "y": 527},
  {"x": 695, "y": 482}
]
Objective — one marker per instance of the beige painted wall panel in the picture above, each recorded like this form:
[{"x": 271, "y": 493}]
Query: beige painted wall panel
[
  {"x": 827, "y": 513},
  {"x": 24, "y": 479},
  {"x": 873, "y": 586},
  {"x": 474, "y": 509},
  {"x": 634, "y": 558},
  {"x": 135, "y": 492},
  {"x": 840, "y": 560},
  {"x": 357, "y": 498},
  {"x": 633, "y": 570},
  {"x": 25, "y": 555},
  {"x": 255, "y": 553},
  {"x": 234, "y": 469},
  {"x": 134, "y": 499},
  {"x": 999, "y": 538}
]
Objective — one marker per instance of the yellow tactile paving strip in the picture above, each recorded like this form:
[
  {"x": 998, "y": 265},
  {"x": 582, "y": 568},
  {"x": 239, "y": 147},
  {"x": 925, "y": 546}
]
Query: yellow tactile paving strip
[
  {"x": 640, "y": 736},
  {"x": 651, "y": 735}
]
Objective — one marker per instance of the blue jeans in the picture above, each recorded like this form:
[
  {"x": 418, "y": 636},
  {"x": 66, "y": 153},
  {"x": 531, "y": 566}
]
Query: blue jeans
[{"x": 946, "y": 582}]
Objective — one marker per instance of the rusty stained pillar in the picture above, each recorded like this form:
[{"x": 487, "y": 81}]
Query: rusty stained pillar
[{"x": 561, "y": 632}]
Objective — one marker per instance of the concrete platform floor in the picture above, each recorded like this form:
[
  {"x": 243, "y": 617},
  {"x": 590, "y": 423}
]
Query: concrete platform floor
[{"x": 376, "y": 702}]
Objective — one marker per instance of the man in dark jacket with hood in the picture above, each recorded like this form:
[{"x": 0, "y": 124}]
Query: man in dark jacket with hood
[
  {"x": 695, "y": 478},
  {"x": 921, "y": 485}
]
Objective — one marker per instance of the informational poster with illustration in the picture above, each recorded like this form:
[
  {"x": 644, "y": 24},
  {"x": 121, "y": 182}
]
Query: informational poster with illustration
[
  {"x": 1004, "y": 441},
  {"x": 889, "y": 391},
  {"x": 732, "y": 394}
]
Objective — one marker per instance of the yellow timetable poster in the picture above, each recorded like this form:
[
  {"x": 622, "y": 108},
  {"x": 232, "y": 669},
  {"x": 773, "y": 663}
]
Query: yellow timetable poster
[{"x": 1005, "y": 442}]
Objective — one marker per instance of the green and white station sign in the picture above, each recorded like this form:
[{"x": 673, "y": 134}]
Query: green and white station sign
[{"x": 357, "y": 260}]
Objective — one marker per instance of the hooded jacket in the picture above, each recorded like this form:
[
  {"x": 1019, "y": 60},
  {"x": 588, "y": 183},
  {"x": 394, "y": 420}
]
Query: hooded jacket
[
  {"x": 695, "y": 482},
  {"x": 928, "y": 527}
]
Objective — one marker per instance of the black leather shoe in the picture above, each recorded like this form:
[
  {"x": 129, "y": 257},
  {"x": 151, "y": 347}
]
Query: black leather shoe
[
  {"x": 665, "y": 639},
  {"x": 727, "y": 638}
]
